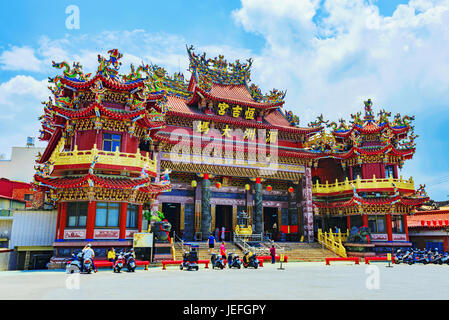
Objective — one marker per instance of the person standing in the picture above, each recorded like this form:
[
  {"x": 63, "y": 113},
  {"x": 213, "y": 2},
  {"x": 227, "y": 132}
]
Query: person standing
[
  {"x": 273, "y": 253},
  {"x": 88, "y": 253},
  {"x": 223, "y": 250},
  {"x": 217, "y": 234},
  {"x": 211, "y": 241},
  {"x": 223, "y": 229},
  {"x": 111, "y": 255}
]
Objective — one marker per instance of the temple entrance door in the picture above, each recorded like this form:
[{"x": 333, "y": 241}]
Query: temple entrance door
[
  {"x": 172, "y": 212},
  {"x": 270, "y": 222},
  {"x": 223, "y": 218}
]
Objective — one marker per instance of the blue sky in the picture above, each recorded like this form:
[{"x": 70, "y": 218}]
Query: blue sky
[{"x": 329, "y": 55}]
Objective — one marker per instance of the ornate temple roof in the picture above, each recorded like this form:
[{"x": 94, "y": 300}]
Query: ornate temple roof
[
  {"x": 216, "y": 79},
  {"x": 395, "y": 138},
  {"x": 357, "y": 200},
  {"x": 143, "y": 184},
  {"x": 274, "y": 120}
]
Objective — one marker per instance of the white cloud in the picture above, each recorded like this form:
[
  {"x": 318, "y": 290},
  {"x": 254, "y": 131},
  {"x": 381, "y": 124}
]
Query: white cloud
[
  {"x": 330, "y": 64},
  {"x": 22, "y": 87},
  {"x": 19, "y": 59},
  {"x": 20, "y": 102}
]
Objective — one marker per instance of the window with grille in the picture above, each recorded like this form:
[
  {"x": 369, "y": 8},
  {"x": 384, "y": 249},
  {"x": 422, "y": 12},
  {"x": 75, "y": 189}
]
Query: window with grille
[
  {"x": 76, "y": 214},
  {"x": 107, "y": 214},
  {"x": 389, "y": 171},
  {"x": 132, "y": 216},
  {"x": 376, "y": 224},
  {"x": 111, "y": 141},
  {"x": 397, "y": 224}
]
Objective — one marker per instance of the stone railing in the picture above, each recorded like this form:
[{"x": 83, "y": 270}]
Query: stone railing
[
  {"x": 331, "y": 242},
  {"x": 363, "y": 184},
  {"x": 116, "y": 158}
]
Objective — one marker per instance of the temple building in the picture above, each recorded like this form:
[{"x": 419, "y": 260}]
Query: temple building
[
  {"x": 356, "y": 180},
  {"x": 98, "y": 167},
  {"x": 229, "y": 149},
  {"x": 207, "y": 149}
]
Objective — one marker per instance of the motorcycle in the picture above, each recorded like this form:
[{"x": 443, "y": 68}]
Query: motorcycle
[
  {"x": 119, "y": 263},
  {"x": 234, "y": 261},
  {"x": 130, "y": 262},
  {"x": 399, "y": 256},
  {"x": 73, "y": 264},
  {"x": 190, "y": 260},
  {"x": 445, "y": 258},
  {"x": 420, "y": 256},
  {"x": 250, "y": 260},
  {"x": 437, "y": 258},
  {"x": 217, "y": 261},
  {"x": 87, "y": 266}
]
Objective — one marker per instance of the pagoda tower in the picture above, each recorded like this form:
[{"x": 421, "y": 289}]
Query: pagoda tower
[
  {"x": 356, "y": 179},
  {"x": 99, "y": 168}
]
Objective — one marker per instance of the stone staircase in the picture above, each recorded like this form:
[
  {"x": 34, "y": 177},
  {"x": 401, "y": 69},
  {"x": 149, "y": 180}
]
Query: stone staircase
[{"x": 298, "y": 251}]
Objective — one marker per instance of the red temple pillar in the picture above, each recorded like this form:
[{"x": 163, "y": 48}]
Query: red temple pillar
[
  {"x": 57, "y": 221},
  {"x": 389, "y": 229},
  {"x": 62, "y": 218},
  {"x": 350, "y": 173},
  {"x": 405, "y": 226},
  {"x": 90, "y": 224},
  {"x": 123, "y": 216},
  {"x": 139, "y": 220},
  {"x": 348, "y": 222},
  {"x": 365, "y": 220}
]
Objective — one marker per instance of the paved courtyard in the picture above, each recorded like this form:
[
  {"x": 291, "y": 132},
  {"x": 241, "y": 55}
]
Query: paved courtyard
[{"x": 300, "y": 280}]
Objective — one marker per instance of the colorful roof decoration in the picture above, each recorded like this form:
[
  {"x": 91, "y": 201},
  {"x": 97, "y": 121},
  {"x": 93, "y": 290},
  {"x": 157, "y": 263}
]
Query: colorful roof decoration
[
  {"x": 218, "y": 70},
  {"x": 345, "y": 141},
  {"x": 219, "y": 80},
  {"x": 90, "y": 180}
]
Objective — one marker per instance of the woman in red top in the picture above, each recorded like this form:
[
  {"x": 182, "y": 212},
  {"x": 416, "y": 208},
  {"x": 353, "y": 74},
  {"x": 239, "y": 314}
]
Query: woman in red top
[
  {"x": 223, "y": 250},
  {"x": 273, "y": 254}
]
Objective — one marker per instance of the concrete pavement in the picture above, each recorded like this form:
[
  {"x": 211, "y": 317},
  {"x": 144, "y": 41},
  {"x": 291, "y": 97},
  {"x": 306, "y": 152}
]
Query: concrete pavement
[{"x": 299, "y": 280}]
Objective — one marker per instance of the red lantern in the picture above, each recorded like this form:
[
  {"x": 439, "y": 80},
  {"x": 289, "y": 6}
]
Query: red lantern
[
  {"x": 218, "y": 185},
  {"x": 206, "y": 176},
  {"x": 290, "y": 189},
  {"x": 258, "y": 180},
  {"x": 269, "y": 188}
]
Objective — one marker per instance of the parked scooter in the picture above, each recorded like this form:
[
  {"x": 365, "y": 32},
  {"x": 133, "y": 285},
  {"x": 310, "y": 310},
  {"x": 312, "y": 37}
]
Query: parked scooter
[
  {"x": 445, "y": 258},
  {"x": 190, "y": 260},
  {"x": 74, "y": 263},
  {"x": 87, "y": 266},
  {"x": 130, "y": 262},
  {"x": 217, "y": 261},
  {"x": 436, "y": 259},
  {"x": 250, "y": 260},
  {"x": 119, "y": 263},
  {"x": 234, "y": 261}
]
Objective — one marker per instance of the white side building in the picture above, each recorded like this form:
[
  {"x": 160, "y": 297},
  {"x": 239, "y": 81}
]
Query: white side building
[{"x": 21, "y": 165}]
